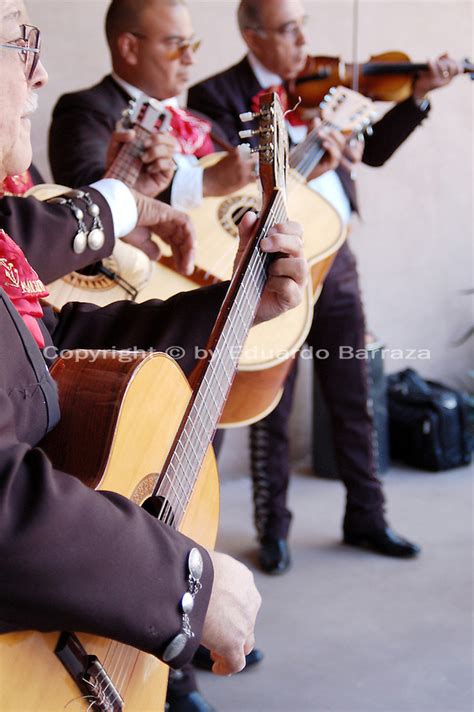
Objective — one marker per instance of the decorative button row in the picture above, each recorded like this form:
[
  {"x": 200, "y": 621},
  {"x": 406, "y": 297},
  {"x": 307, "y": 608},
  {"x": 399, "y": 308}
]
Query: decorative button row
[{"x": 195, "y": 567}]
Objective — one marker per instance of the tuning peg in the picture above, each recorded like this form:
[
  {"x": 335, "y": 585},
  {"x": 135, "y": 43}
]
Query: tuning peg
[
  {"x": 369, "y": 131},
  {"x": 332, "y": 90},
  {"x": 328, "y": 97},
  {"x": 245, "y": 151},
  {"x": 248, "y": 133},
  {"x": 262, "y": 149},
  {"x": 248, "y": 116},
  {"x": 323, "y": 105}
]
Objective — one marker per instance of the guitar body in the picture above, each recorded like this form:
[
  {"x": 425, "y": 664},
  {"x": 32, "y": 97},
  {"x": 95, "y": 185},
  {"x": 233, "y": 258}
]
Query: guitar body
[
  {"x": 216, "y": 222},
  {"x": 112, "y": 410},
  {"x": 266, "y": 358}
]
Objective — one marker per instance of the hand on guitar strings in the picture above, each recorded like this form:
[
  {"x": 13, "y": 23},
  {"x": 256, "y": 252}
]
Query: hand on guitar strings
[
  {"x": 231, "y": 173},
  {"x": 334, "y": 142},
  {"x": 174, "y": 227},
  {"x": 287, "y": 274},
  {"x": 229, "y": 626},
  {"x": 157, "y": 158}
]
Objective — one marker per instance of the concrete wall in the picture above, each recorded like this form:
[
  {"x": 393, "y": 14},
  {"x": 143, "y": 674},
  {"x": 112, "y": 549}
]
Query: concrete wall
[{"x": 414, "y": 240}]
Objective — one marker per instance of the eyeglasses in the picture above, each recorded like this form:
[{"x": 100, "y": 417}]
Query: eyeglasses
[
  {"x": 29, "y": 46},
  {"x": 177, "y": 47},
  {"x": 288, "y": 30}
]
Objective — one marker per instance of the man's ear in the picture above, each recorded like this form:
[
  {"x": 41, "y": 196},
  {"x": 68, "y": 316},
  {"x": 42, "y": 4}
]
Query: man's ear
[
  {"x": 251, "y": 39},
  {"x": 127, "y": 46}
]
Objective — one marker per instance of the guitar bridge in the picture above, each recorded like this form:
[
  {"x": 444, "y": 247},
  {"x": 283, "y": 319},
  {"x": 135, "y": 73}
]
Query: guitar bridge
[{"x": 89, "y": 675}]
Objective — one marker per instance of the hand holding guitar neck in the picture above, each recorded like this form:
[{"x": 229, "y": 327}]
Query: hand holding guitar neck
[
  {"x": 158, "y": 165},
  {"x": 287, "y": 274},
  {"x": 141, "y": 150},
  {"x": 333, "y": 141}
]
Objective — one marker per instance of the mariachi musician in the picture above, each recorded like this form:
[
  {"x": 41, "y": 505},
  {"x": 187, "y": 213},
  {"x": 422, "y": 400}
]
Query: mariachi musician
[{"x": 274, "y": 33}]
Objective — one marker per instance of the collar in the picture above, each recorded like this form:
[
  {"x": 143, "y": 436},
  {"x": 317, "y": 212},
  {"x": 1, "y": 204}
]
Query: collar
[
  {"x": 133, "y": 92},
  {"x": 264, "y": 76},
  {"x": 136, "y": 93}
]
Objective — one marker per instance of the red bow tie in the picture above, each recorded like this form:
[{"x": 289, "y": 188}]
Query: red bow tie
[{"x": 192, "y": 134}]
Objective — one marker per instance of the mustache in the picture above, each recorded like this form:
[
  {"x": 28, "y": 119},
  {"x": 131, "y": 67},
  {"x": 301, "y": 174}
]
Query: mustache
[{"x": 31, "y": 104}]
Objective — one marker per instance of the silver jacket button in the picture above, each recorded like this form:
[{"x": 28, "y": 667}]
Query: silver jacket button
[
  {"x": 187, "y": 603},
  {"x": 195, "y": 563},
  {"x": 96, "y": 239},
  {"x": 176, "y": 647},
  {"x": 80, "y": 242}
]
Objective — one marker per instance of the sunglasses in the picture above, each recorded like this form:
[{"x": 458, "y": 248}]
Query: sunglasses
[{"x": 176, "y": 46}]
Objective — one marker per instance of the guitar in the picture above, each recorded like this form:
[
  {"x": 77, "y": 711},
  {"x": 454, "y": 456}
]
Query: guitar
[
  {"x": 128, "y": 269},
  {"x": 268, "y": 352},
  {"x": 115, "y": 448},
  {"x": 218, "y": 218}
]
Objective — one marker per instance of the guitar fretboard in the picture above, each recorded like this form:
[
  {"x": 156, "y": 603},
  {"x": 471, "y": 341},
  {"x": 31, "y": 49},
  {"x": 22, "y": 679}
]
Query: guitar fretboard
[
  {"x": 306, "y": 155},
  {"x": 127, "y": 165},
  {"x": 200, "y": 421}
]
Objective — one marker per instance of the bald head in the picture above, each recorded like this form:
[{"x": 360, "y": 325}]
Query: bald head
[{"x": 126, "y": 15}]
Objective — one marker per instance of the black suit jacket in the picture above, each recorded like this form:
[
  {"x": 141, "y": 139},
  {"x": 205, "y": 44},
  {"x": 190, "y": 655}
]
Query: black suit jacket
[
  {"x": 74, "y": 559},
  {"x": 80, "y": 132},
  {"x": 224, "y": 96}
]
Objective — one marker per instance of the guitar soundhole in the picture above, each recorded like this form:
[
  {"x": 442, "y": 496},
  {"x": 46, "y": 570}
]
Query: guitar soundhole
[
  {"x": 160, "y": 508},
  {"x": 232, "y": 210},
  {"x": 93, "y": 279}
]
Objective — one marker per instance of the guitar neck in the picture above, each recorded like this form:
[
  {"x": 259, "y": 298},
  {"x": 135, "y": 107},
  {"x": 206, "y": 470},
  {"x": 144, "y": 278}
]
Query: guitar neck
[
  {"x": 306, "y": 155},
  {"x": 216, "y": 373},
  {"x": 127, "y": 165}
]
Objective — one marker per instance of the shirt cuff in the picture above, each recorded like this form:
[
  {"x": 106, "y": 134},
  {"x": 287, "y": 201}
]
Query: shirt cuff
[
  {"x": 187, "y": 188},
  {"x": 122, "y": 204}
]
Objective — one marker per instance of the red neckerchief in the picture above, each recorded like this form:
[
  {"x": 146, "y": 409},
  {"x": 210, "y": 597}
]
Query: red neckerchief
[
  {"x": 192, "y": 134},
  {"x": 292, "y": 117},
  {"x": 22, "y": 285},
  {"x": 16, "y": 185}
]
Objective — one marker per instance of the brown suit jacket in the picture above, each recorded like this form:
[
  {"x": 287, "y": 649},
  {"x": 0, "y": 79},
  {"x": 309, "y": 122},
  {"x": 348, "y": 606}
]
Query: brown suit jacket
[{"x": 73, "y": 558}]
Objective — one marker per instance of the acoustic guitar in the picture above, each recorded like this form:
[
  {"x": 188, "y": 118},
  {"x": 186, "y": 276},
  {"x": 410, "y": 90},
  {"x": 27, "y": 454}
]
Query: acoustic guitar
[
  {"x": 267, "y": 355},
  {"x": 129, "y": 401}
]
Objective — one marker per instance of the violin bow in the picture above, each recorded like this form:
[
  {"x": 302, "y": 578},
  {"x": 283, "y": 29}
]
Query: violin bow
[{"x": 355, "y": 45}]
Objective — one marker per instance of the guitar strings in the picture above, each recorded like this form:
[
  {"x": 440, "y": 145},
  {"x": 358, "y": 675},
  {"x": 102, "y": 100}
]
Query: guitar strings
[
  {"x": 120, "y": 658},
  {"x": 302, "y": 160},
  {"x": 177, "y": 461},
  {"x": 253, "y": 281}
]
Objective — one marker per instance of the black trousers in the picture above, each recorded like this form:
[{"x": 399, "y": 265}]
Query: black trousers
[{"x": 338, "y": 330}]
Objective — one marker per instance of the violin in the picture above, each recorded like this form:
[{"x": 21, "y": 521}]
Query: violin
[{"x": 385, "y": 77}]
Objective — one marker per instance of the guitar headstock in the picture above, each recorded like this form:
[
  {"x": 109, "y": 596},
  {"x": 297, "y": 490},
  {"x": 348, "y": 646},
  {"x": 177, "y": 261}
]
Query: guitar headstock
[
  {"x": 347, "y": 110},
  {"x": 149, "y": 114},
  {"x": 273, "y": 144}
]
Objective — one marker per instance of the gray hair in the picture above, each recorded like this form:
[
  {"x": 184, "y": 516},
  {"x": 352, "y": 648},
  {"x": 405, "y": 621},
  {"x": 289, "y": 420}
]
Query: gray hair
[{"x": 248, "y": 15}]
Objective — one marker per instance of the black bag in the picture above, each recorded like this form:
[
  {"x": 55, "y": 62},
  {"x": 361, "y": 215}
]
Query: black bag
[{"x": 427, "y": 423}]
